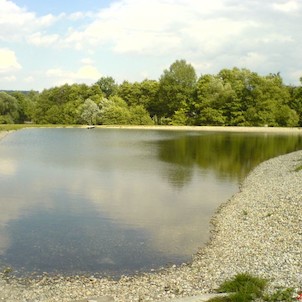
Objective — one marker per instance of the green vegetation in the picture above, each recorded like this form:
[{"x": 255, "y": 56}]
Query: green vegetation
[
  {"x": 245, "y": 287},
  {"x": 8, "y": 127},
  {"x": 285, "y": 294},
  {"x": 233, "y": 97}
]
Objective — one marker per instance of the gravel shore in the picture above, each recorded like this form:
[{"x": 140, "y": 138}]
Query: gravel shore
[{"x": 259, "y": 230}]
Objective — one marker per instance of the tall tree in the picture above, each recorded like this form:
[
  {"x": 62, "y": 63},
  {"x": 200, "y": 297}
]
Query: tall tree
[
  {"x": 211, "y": 95},
  {"x": 9, "y": 109},
  {"x": 108, "y": 86},
  {"x": 89, "y": 112},
  {"x": 25, "y": 106},
  {"x": 176, "y": 88},
  {"x": 114, "y": 111},
  {"x": 296, "y": 101},
  {"x": 130, "y": 92}
]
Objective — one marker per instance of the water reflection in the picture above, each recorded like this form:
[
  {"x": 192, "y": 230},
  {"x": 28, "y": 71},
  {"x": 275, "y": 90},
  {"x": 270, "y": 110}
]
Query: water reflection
[
  {"x": 7, "y": 167},
  {"x": 230, "y": 155},
  {"x": 116, "y": 200}
]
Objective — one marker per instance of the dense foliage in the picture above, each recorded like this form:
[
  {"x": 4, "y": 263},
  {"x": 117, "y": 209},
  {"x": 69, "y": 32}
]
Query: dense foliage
[{"x": 233, "y": 97}]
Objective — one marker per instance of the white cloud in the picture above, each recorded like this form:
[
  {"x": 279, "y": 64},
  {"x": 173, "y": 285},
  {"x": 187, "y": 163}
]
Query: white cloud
[
  {"x": 142, "y": 36},
  {"x": 87, "y": 61},
  {"x": 287, "y": 6},
  {"x": 8, "y": 61},
  {"x": 16, "y": 22},
  {"x": 86, "y": 73},
  {"x": 79, "y": 16},
  {"x": 295, "y": 75},
  {"x": 48, "y": 20},
  {"x": 39, "y": 39},
  {"x": 12, "y": 14},
  {"x": 252, "y": 60},
  {"x": 9, "y": 78},
  {"x": 29, "y": 79},
  {"x": 161, "y": 27}
]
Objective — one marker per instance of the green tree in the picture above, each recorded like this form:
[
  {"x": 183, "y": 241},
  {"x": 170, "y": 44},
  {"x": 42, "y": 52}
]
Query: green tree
[
  {"x": 267, "y": 102},
  {"x": 236, "y": 84},
  {"x": 130, "y": 93},
  {"x": 179, "y": 118},
  {"x": 143, "y": 94},
  {"x": 296, "y": 101},
  {"x": 149, "y": 95},
  {"x": 25, "y": 106},
  {"x": 114, "y": 111},
  {"x": 61, "y": 104},
  {"x": 211, "y": 96},
  {"x": 72, "y": 112},
  {"x": 9, "y": 109},
  {"x": 139, "y": 116},
  {"x": 89, "y": 112},
  {"x": 176, "y": 88},
  {"x": 108, "y": 86}
]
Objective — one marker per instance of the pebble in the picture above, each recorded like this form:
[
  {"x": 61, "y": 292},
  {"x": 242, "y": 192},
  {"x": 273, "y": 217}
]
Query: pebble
[{"x": 259, "y": 231}]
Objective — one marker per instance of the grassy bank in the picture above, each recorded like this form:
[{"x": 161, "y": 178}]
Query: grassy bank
[{"x": 9, "y": 127}]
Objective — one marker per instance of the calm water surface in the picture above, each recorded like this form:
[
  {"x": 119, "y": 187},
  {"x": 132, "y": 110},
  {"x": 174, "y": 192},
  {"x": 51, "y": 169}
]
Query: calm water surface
[{"x": 117, "y": 201}]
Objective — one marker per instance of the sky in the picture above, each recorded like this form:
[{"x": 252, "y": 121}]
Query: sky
[{"x": 49, "y": 43}]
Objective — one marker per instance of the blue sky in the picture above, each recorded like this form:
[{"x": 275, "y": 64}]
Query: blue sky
[
  {"x": 59, "y": 6},
  {"x": 49, "y": 43}
]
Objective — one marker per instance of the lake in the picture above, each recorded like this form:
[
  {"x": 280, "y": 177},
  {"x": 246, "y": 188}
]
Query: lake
[{"x": 118, "y": 201}]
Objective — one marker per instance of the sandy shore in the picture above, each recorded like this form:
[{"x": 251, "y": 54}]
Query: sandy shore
[
  {"x": 296, "y": 130},
  {"x": 209, "y": 128},
  {"x": 258, "y": 231}
]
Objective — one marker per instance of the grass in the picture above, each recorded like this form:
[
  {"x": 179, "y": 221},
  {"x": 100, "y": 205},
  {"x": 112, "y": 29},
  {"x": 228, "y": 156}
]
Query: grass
[
  {"x": 280, "y": 295},
  {"x": 298, "y": 168},
  {"x": 8, "y": 127},
  {"x": 245, "y": 288}
]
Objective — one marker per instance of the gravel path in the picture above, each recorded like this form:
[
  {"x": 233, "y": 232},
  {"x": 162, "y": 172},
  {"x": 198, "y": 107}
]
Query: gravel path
[{"x": 259, "y": 230}]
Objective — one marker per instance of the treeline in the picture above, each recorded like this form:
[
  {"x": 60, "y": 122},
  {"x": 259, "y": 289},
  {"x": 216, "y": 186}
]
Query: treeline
[{"x": 233, "y": 97}]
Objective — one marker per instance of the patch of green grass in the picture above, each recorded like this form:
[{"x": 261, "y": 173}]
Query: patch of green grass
[
  {"x": 220, "y": 299},
  {"x": 241, "y": 281},
  {"x": 8, "y": 127},
  {"x": 280, "y": 295},
  {"x": 243, "y": 287},
  {"x": 299, "y": 168}
]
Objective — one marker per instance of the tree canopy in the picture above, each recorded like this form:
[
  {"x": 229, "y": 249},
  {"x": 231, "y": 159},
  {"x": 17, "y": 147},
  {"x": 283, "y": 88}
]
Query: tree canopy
[{"x": 237, "y": 97}]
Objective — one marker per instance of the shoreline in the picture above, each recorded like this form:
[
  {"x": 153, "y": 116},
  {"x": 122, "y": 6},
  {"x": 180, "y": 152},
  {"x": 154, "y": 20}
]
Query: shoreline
[
  {"x": 258, "y": 230},
  {"x": 240, "y": 129},
  {"x": 296, "y": 130}
]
